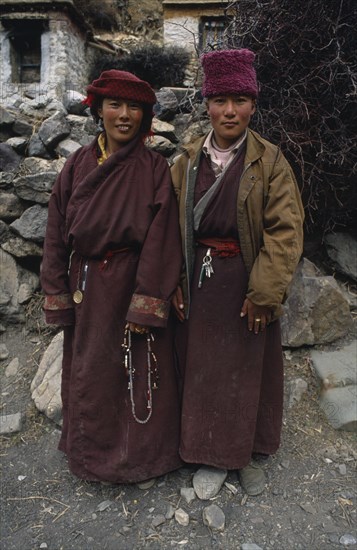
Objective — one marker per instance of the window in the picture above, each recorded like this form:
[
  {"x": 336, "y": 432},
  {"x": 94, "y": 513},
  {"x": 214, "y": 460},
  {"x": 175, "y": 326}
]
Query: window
[
  {"x": 212, "y": 31},
  {"x": 25, "y": 50}
]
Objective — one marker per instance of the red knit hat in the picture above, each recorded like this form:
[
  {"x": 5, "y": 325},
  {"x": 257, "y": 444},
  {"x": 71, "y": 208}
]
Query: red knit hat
[
  {"x": 121, "y": 84},
  {"x": 229, "y": 72}
]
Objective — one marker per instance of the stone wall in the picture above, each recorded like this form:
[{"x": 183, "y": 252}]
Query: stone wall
[
  {"x": 65, "y": 59},
  {"x": 185, "y": 30},
  {"x": 36, "y": 137}
]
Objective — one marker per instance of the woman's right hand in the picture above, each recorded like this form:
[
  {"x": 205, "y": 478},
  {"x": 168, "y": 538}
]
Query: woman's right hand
[
  {"x": 178, "y": 305},
  {"x": 137, "y": 329}
]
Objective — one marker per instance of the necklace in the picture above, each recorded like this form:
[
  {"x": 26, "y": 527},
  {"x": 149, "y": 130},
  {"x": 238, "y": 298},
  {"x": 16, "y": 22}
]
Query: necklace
[{"x": 152, "y": 373}]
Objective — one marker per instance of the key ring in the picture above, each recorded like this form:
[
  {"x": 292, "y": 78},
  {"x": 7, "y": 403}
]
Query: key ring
[
  {"x": 207, "y": 260},
  {"x": 206, "y": 269}
]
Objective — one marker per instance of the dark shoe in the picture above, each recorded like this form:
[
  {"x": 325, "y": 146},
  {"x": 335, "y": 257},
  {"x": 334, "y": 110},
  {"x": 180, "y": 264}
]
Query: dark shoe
[
  {"x": 260, "y": 457},
  {"x": 252, "y": 479}
]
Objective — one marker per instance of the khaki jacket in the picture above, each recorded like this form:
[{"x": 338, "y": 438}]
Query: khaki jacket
[{"x": 269, "y": 215}]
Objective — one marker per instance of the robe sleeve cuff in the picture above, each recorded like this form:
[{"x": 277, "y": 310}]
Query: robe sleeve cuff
[
  {"x": 59, "y": 309},
  {"x": 60, "y": 317},
  {"x": 149, "y": 311},
  {"x": 58, "y": 301}
]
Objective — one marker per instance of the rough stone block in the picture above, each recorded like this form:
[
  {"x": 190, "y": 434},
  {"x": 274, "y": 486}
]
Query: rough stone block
[
  {"x": 336, "y": 368},
  {"x": 316, "y": 311},
  {"x": 340, "y": 407},
  {"x": 342, "y": 249},
  {"x": 46, "y": 385}
]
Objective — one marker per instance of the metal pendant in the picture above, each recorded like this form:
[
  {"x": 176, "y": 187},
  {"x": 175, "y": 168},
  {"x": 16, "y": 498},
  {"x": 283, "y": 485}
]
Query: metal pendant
[{"x": 77, "y": 296}]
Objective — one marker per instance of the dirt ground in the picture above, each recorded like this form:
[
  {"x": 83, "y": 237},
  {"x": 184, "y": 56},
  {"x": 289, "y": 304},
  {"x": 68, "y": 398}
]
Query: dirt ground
[{"x": 309, "y": 502}]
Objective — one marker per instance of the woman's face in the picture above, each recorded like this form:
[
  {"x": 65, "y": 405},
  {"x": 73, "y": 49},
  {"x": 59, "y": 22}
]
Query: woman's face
[
  {"x": 121, "y": 120},
  {"x": 230, "y": 115}
]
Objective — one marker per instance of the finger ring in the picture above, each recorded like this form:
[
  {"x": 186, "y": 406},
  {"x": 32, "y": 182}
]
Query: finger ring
[{"x": 257, "y": 320}]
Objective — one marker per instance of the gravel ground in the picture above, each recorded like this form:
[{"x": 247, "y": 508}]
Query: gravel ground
[{"x": 309, "y": 502}]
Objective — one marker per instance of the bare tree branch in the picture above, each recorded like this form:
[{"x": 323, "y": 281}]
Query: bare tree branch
[{"x": 306, "y": 65}]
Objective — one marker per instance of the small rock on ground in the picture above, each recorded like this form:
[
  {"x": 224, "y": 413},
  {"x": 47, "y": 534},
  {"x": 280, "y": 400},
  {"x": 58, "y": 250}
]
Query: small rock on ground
[
  {"x": 232, "y": 488},
  {"x": 188, "y": 494},
  {"x": 347, "y": 540},
  {"x": 182, "y": 517},
  {"x": 10, "y": 423},
  {"x": 170, "y": 512},
  {"x": 4, "y": 352},
  {"x": 207, "y": 482},
  {"x": 214, "y": 517},
  {"x": 12, "y": 368},
  {"x": 158, "y": 520}
]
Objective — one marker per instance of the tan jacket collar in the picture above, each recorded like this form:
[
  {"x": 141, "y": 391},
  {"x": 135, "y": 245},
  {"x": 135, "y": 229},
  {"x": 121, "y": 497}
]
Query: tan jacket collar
[{"x": 255, "y": 147}]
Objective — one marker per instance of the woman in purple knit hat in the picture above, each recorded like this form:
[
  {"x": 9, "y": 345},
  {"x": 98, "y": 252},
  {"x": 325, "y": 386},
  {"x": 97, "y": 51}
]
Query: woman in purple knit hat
[{"x": 241, "y": 220}]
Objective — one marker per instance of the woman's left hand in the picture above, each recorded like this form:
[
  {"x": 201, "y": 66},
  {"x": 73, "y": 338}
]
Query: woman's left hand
[
  {"x": 137, "y": 329},
  {"x": 258, "y": 316}
]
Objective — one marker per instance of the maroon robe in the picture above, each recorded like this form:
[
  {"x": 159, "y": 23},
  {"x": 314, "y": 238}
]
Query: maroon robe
[
  {"x": 233, "y": 378},
  {"x": 121, "y": 218}
]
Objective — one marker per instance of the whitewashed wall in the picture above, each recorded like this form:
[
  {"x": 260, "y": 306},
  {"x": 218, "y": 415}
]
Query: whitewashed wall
[
  {"x": 64, "y": 62},
  {"x": 181, "y": 31},
  {"x": 184, "y": 32}
]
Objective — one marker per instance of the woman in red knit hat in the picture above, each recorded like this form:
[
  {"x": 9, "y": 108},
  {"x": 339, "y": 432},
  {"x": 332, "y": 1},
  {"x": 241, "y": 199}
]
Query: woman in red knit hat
[
  {"x": 241, "y": 219},
  {"x": 111, "y": 264}
]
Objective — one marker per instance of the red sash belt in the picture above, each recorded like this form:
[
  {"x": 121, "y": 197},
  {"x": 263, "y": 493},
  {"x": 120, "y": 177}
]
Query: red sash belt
[
  {"x": 108, "y": 256},
  {"x": 224, "y": 248}
]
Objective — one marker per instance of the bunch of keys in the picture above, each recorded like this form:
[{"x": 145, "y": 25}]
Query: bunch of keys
[{"x": 206, "y": 269}]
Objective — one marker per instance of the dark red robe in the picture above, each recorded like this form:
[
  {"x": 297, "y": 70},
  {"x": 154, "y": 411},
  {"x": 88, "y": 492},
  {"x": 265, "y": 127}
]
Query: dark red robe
[
  {"x": 233, "y": 378},
  {"x": 121, "y": 218}
]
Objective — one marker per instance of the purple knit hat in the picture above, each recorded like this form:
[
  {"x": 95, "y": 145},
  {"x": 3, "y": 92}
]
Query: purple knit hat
[{"x": 229, "y": 72}]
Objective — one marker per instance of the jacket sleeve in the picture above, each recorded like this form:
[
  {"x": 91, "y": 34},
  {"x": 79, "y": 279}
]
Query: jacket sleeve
[
  {"x": 160, "y": 258},
  {"x": 58, "y": 306},
  {"x": 282, "y": 244}
]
